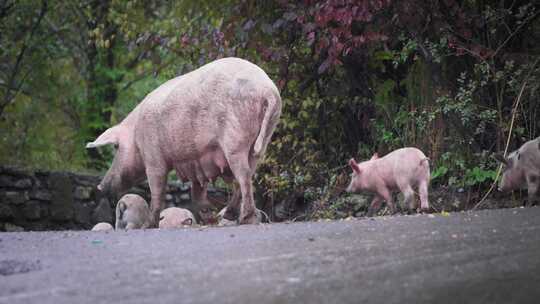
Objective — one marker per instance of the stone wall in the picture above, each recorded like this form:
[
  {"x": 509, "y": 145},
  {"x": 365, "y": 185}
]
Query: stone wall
[{"x": 42, "y": 200}]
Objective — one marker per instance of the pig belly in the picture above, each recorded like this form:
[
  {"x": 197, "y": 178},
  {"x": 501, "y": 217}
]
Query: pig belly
[{"x": 206, "y": 168}]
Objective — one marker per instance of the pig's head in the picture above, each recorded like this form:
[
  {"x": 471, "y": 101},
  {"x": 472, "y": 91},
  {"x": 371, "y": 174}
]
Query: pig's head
[
  {"x": 356, "y": 183},
  {"x": 127, "y": 167},
  {"x": 513, "y": 175}
]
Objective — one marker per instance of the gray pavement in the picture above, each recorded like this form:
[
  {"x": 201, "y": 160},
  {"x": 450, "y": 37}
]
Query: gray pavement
[{"x": 475, "y": 257}]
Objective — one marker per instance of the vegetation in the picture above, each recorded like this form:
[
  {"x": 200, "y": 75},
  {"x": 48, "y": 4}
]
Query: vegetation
[{"x": 356, "y": 77}]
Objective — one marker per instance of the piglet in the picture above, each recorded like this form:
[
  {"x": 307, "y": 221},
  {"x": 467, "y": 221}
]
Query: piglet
[
  {"x": 401, "y": 170},
  {"x": 102, "y": 227},
  {"x": 132, "y": 212},
  {"x": 223, "y": 221},
  {"x": 175, "y": 217}
]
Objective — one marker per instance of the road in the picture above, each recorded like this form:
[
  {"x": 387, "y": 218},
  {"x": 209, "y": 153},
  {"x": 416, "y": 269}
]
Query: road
[{"x": 490, "y": 256}]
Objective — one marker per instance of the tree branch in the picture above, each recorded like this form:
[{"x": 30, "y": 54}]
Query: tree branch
[{"x": 11, "y": 86}]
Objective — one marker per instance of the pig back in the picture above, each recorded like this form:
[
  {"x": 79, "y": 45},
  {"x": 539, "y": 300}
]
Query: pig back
[
  {"x": 408, "y": 165},
  {"x": 529, "y": 158}
]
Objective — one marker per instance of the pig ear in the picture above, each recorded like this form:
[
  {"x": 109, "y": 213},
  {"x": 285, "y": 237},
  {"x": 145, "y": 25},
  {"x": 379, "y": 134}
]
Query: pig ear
[
  {"x": 375, "y": 156},
  {"x": 354, "y": 165},
  {"x": 111, "y": 136},
  {"x": 187, "y": 222},
  {"x": 500, "y": 158}
]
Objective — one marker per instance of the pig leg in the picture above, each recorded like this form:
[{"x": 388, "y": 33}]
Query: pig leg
[
  {"x": 387, "y": 196},
  {"x": 157, "y": 183},
  {"x": 423, "y": 192},
  {"x": 375, "y": 205},
  {"x": 233, "y": 207},
  {"x": 532, "y": 189},
  {"x": 199, "y": 194},
  {"x": 243, "y": 173},
  {"x": 408, "y": 195}
]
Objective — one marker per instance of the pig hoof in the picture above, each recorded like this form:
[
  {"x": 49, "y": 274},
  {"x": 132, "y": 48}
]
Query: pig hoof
[
  {"x": 424, "y": 210},
  {"x": 250, "y": 219},
  {"x": 230, "y": 214}
]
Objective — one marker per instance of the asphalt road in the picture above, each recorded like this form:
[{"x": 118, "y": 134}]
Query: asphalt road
[{"x": 475, "y": 257}]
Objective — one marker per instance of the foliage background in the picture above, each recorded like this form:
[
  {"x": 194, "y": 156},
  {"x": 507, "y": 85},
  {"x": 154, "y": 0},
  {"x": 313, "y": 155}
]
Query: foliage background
[{"x": 356, "y": 77}]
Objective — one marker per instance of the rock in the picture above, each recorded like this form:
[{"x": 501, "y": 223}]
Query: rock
[
  {"x": 185, "y": 197},
  {"x": 169, "y": 197},
  {"x": 62, "y": 196},
  {"x": 185, "y": 187},
  {"x": 140, "y": 192},
  {"x": 360, "y": 214},
  {"x": 5, "y": 211},
  {"x": 15, "y": 171},
  {"x": 87, "y": 180},
  {"x": 103, "y": 212},
  {"x": 9, "y": 227},
  {"x": 23, "y": 183},
  {"x": 83, "y": 214},
  {"x": 42, "y": 195},
  {"x": 15, "y": 197},
  {"x": 360, "y": 200},
  {"x": 33, "y": 210},
  {"x": 82, "y": 193},
  {"x": 7, "y": 181},
  {"x": 38, "y": 226}
]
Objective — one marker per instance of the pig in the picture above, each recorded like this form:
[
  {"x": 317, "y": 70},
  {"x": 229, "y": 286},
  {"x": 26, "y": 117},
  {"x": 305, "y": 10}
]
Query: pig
[
  {"x": 522, "y": 170},
  {"x": 175, "y": 217},
  {"x": 102, "y": 227},
  {"x": 132, "y": 212},
  {"x": 401, "y": 170},
  {"x": 214, "y": 121},
  {"x": 223, "y": 221}
]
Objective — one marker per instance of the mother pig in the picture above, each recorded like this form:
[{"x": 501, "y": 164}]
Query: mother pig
[{"x": 214, "y": 121}]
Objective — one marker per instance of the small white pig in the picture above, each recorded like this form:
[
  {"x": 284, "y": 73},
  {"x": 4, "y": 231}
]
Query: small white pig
[
  {"x": 175, "y": 217},
  {"x": 102, "y": 227},
  {"x": 223, "y": 221},
  {"x": 401, "y": 170},
  {"x": 132, "y": 212},
  {"x": 522, "y": 170}
]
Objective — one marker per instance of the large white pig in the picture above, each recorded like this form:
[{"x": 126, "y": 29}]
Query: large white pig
[
  {"x": 214, "y": 121},
  {"x": 522, "y": 170}
]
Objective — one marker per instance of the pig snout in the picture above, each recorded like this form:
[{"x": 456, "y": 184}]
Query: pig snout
[
  {"x": 104, "y": 189},
  {"x": 350, "y": 188}
]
